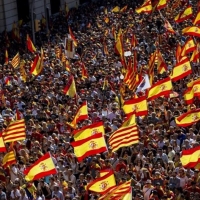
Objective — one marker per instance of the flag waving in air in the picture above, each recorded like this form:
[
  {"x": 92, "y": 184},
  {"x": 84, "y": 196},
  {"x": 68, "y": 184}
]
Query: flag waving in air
[
  {"x": 146, "y": 7},
  {"x": 70, "y": 88},
  {"x": 184, "y": 15}
]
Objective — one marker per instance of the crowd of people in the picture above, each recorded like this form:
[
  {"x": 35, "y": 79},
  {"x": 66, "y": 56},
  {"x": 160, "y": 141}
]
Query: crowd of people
[{"x": 153, "y": 165}]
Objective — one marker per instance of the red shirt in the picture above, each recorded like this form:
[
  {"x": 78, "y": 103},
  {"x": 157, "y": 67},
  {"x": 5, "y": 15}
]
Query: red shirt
[{"x": 119, "y": 166}]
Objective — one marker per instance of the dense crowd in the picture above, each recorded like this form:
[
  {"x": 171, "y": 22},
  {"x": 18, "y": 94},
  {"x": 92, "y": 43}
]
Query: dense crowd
[{"x": 153, "y": 165}]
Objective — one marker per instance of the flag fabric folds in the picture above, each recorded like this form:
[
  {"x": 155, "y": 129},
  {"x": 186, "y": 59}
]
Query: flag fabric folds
[
  {"x": 2, "y": 145},
  {"x": 144, "y": 85},
  {"x": 146, "y": 7},
  {"x": 137, "y": 106},
  {"x": 188, "y": 118},
  {"x": 196, "y": 54},
  {"x": 191, "y": 157},
  {"x": 116, "y": 9},
  {"x": 30, "y": 45},
  {"x": 181, "y": 70},
  {"x": 124, "y": 137},
  {"x": 16, "y": 60},
  {"x": 70, "y": 88},
  {"x": 35, "y": 68},
  {"x": 15, "y": 131},
  {"x": 161, "y": 65},
  {"x": 116, "y": 190},
  {"x": 9, "y": 159},
  {"x": 161, "y": 4},
  {"x": 188, "y": 47},
  {"x": 41, "y": 168},
  {"x": 193, "y": 31},
  {"x": 161, "y": 88},
  {"x": 197, "y": 19},
  {"x": 73, "y": 37},
  {"x": 169, "y": 27},
  {"x": 103, "y": 184},
  {"x": 192, "y": 92},
  {"x": 88, "y": 131},
  {"x": 81, "y": 114},
  {"x": 184, "y": 15},
  {"x": 22, "y": 71},
  {"x": 89, "y": 146}
]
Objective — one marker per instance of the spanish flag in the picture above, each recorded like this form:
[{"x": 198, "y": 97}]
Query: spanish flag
[
  {"x": 161, "y": 65},
  {"x": 7, "y": 81},
  {"x": 193, "y": 82},
  {"x": 191, "y": 157},
  {"x": 188, "y": 47},
  {"x": 73, "y": 37},
  {"x": 196, "y": 54},
  {"x": 161, "y": 4},
  {"x": 2, "y": 145},
  {"x": 6, "y": 57},
  {"x": 9, "y": 159},
  {"x": 124, "y": 137},
  {"x": 70, "y": 88},
  {"x": 119, "y": 46},
  {"x": 41, "y": 168},
  {"x": 35, "y": 67},
  {"x": 116, "y": 9},
  {"x": 192, "y": 30},
  {"x": 22, "y": 71},
  {"x": 81, "y": 114},
  {"x": 129, "y": 121},
  {"x": 137, "y": 106},
  {"x": 189, "y": 118},
  {"x": 83, "y": 70},
  {"x": 67, "y": 65},
  {"x": 189, "y": 96},
  {"x": 197, "y": 19},
  {"x": 184, "y": 15},
  {"x": 116, "y": 190},
  {"x": 181, "y": 70},
  {"x": 15, "y": 131},
  {"x": 146, "y": 7},
  {"x": 88, "y": 131},
  {"x": 169, "y": 27},
  {"x": 103, "y": 184},
  {"x": 30, "y": 45},
  {"x": 89, "y": 146},
  {"x": 161, "y": 88}
]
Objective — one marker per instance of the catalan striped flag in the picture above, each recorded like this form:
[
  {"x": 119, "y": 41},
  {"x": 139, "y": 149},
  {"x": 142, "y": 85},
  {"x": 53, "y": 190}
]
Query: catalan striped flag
[
  {"x": 16, "y": 60},
  {"x": 124, "y": 137},
  {"x": 15, "y": 131},
  {"x": 117, "y": 190},
  {"x": 9, "y": 159},
  {"x": 2, "y": 145}
]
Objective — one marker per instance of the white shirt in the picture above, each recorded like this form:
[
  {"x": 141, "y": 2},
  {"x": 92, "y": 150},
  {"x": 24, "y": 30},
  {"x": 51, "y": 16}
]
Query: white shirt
[{"x": 15, "y": 194}]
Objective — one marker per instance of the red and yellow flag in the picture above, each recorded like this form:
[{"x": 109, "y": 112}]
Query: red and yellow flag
[
  {"x": 137, "y": 106},
  {"x": 15, "y": 131},
  {"x": 188, "y": 118},
  {"x": 124, "y": 137},
  {"x": 192, "y": 30},
  {"x": 88, "y": 131},
  {"x": 2, "y": 145},
  {"x": 116, "y": 9},
  {"x": 119, "y": 46},
  {"x": 190, "y": 158},
  {"x": 146, "y": 7},
  {"x": 89, "y": 146},
  {"x": 9, "y": 159},
  {"x": 7, "y": 81},
  {"x": 81, "y": 114},
  {"x": 161, "y": 88},
  {"x": 161, "y": 65},
  {"x": 197, "y": 19},
  {"x": 116, "y": 190},
  {"x": 192, "y": 92},
  {"x": 134, "y": 41},
  {"x": 169, "y": 27},
  {"x": 178, "y": 52},
  {"x": 83, "y": 70},
  {"x": 70, "y": 88},
  {"x": 188, "y": 47},
  {"x": 16, "y": 60},
  {"x": 73, "y": 37},
  {"x": 41, "y": 168},
  {"x": 103, "y": 184},
  {"x": 184, "y": 15},
  {"x": 124, "y": 9},
  {"x": 196, "y": 54},
  {"x": 6, "y": 57},
  {"x": 161, "y": 4},
  {"x": 181, "y": 70},
  {"x": 106, "y": 19},
  {"x": 30, "y": 45},
  {"x": 35, "y": 67},
  {"x": 22, "y": 71}
]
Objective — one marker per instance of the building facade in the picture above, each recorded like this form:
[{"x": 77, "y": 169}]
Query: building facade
[{"x": 15, "y": 10}]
